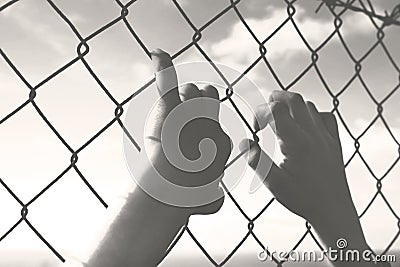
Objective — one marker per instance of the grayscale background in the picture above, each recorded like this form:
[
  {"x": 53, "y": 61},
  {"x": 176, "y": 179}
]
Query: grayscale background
[{"x": 38, "y": 42}]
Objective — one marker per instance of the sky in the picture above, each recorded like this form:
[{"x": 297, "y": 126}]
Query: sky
[{"x": 38, "y": 42}]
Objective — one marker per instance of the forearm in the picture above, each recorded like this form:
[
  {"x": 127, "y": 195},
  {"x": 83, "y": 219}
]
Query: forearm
[
  {"x": 344, "y": 240},
  {"x": 140, "y": 234},
  {"x": 339, "y": 256}
]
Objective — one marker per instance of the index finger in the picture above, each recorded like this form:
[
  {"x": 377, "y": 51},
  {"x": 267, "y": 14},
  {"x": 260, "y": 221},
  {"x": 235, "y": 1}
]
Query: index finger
[
  {"x": 166, "y": 79},
  {"x": 296, "y": 105}
]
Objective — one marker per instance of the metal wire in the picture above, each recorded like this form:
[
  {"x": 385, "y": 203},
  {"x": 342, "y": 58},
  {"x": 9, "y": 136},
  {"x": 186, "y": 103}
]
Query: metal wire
[{"x": 380, "y": 22}]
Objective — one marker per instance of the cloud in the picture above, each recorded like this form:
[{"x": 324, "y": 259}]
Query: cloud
[
  {"x": 239, "y": 48},
  {"x": 38, "y": 26},
  {"x": 40, "y": 30}
]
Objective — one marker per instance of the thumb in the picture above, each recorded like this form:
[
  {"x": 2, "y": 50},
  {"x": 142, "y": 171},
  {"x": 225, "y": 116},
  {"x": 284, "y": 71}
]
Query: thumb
[{"x": 262, "y": 164}]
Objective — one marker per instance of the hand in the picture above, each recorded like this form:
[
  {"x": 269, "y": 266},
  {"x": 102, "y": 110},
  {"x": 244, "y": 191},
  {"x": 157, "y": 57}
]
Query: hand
[
  {"x": 184, "y": 121},
  {"x": 311, "y": 181},
  {"x": 184, "y": 140}
]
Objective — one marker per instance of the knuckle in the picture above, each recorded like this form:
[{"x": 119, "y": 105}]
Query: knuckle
[
  {"x": 311, "y": 107},
  {"x": 309, "y": 103},
  {"x": 277, "y": 108},
  {"x": 191, "y": 85},
  {"x": 295, "y": 98},
  {"x": 188, "y": 88},
  {"x": 276, "y": 94},
  {"x": 211, "y": 90}
]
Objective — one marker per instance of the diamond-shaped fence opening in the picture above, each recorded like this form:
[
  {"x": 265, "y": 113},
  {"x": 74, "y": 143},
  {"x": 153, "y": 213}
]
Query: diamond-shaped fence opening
[{"x": 333, "y": 10}]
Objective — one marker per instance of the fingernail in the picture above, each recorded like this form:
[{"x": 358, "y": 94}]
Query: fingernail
[
  {"x": 161, "y": 59},
  {"x": 157, "y": 52}
]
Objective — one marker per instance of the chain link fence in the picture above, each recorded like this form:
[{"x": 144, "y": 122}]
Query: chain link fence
[{"x": 336, "y": 9}]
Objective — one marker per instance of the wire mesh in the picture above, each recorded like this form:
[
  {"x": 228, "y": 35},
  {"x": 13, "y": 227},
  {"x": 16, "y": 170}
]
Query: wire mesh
[{"x": 380, "y": 22}]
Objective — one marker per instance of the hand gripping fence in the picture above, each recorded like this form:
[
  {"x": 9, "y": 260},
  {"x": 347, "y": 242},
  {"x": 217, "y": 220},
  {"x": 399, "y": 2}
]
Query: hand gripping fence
[{"x": 362, "y": 6}]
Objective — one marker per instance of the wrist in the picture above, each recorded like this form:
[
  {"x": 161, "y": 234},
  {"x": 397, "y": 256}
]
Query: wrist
[
  {"x": 175, "y": 190},
  {"x": 340, "y": 226},
  {"x": 338, "y": 219},
  {"x": 163, "y": 210}
]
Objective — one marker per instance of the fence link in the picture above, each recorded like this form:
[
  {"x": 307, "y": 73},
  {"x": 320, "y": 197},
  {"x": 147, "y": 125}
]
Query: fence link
[{"x": 336, "y": 8}]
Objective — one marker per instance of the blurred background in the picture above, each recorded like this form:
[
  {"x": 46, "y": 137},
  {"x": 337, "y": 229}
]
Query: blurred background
[{"x": 38, "y": 42}]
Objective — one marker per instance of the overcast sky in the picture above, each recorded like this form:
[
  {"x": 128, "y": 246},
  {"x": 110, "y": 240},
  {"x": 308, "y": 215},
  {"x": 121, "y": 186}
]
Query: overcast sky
[{"x": 38, "y": 42}]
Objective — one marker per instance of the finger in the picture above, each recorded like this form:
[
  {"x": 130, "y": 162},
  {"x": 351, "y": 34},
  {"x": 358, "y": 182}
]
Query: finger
[
  {"x": 316, "y": 117},
  {"x": 297, "y": 107},
  {"x": 210, "y": 91},
  {"x": 262, "y": 164},
  {"x": 211, "y": 208},
  {"x": 284, "y": 125},
  {"x": 189, "y": 91},
  {"x": 211, "y": 101},
  {"x": 166, "y": 79},
  {"x": 216, "y": 205},
  {"x": 330, "y": 123},
  {"x": 262, "y": 117}
]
